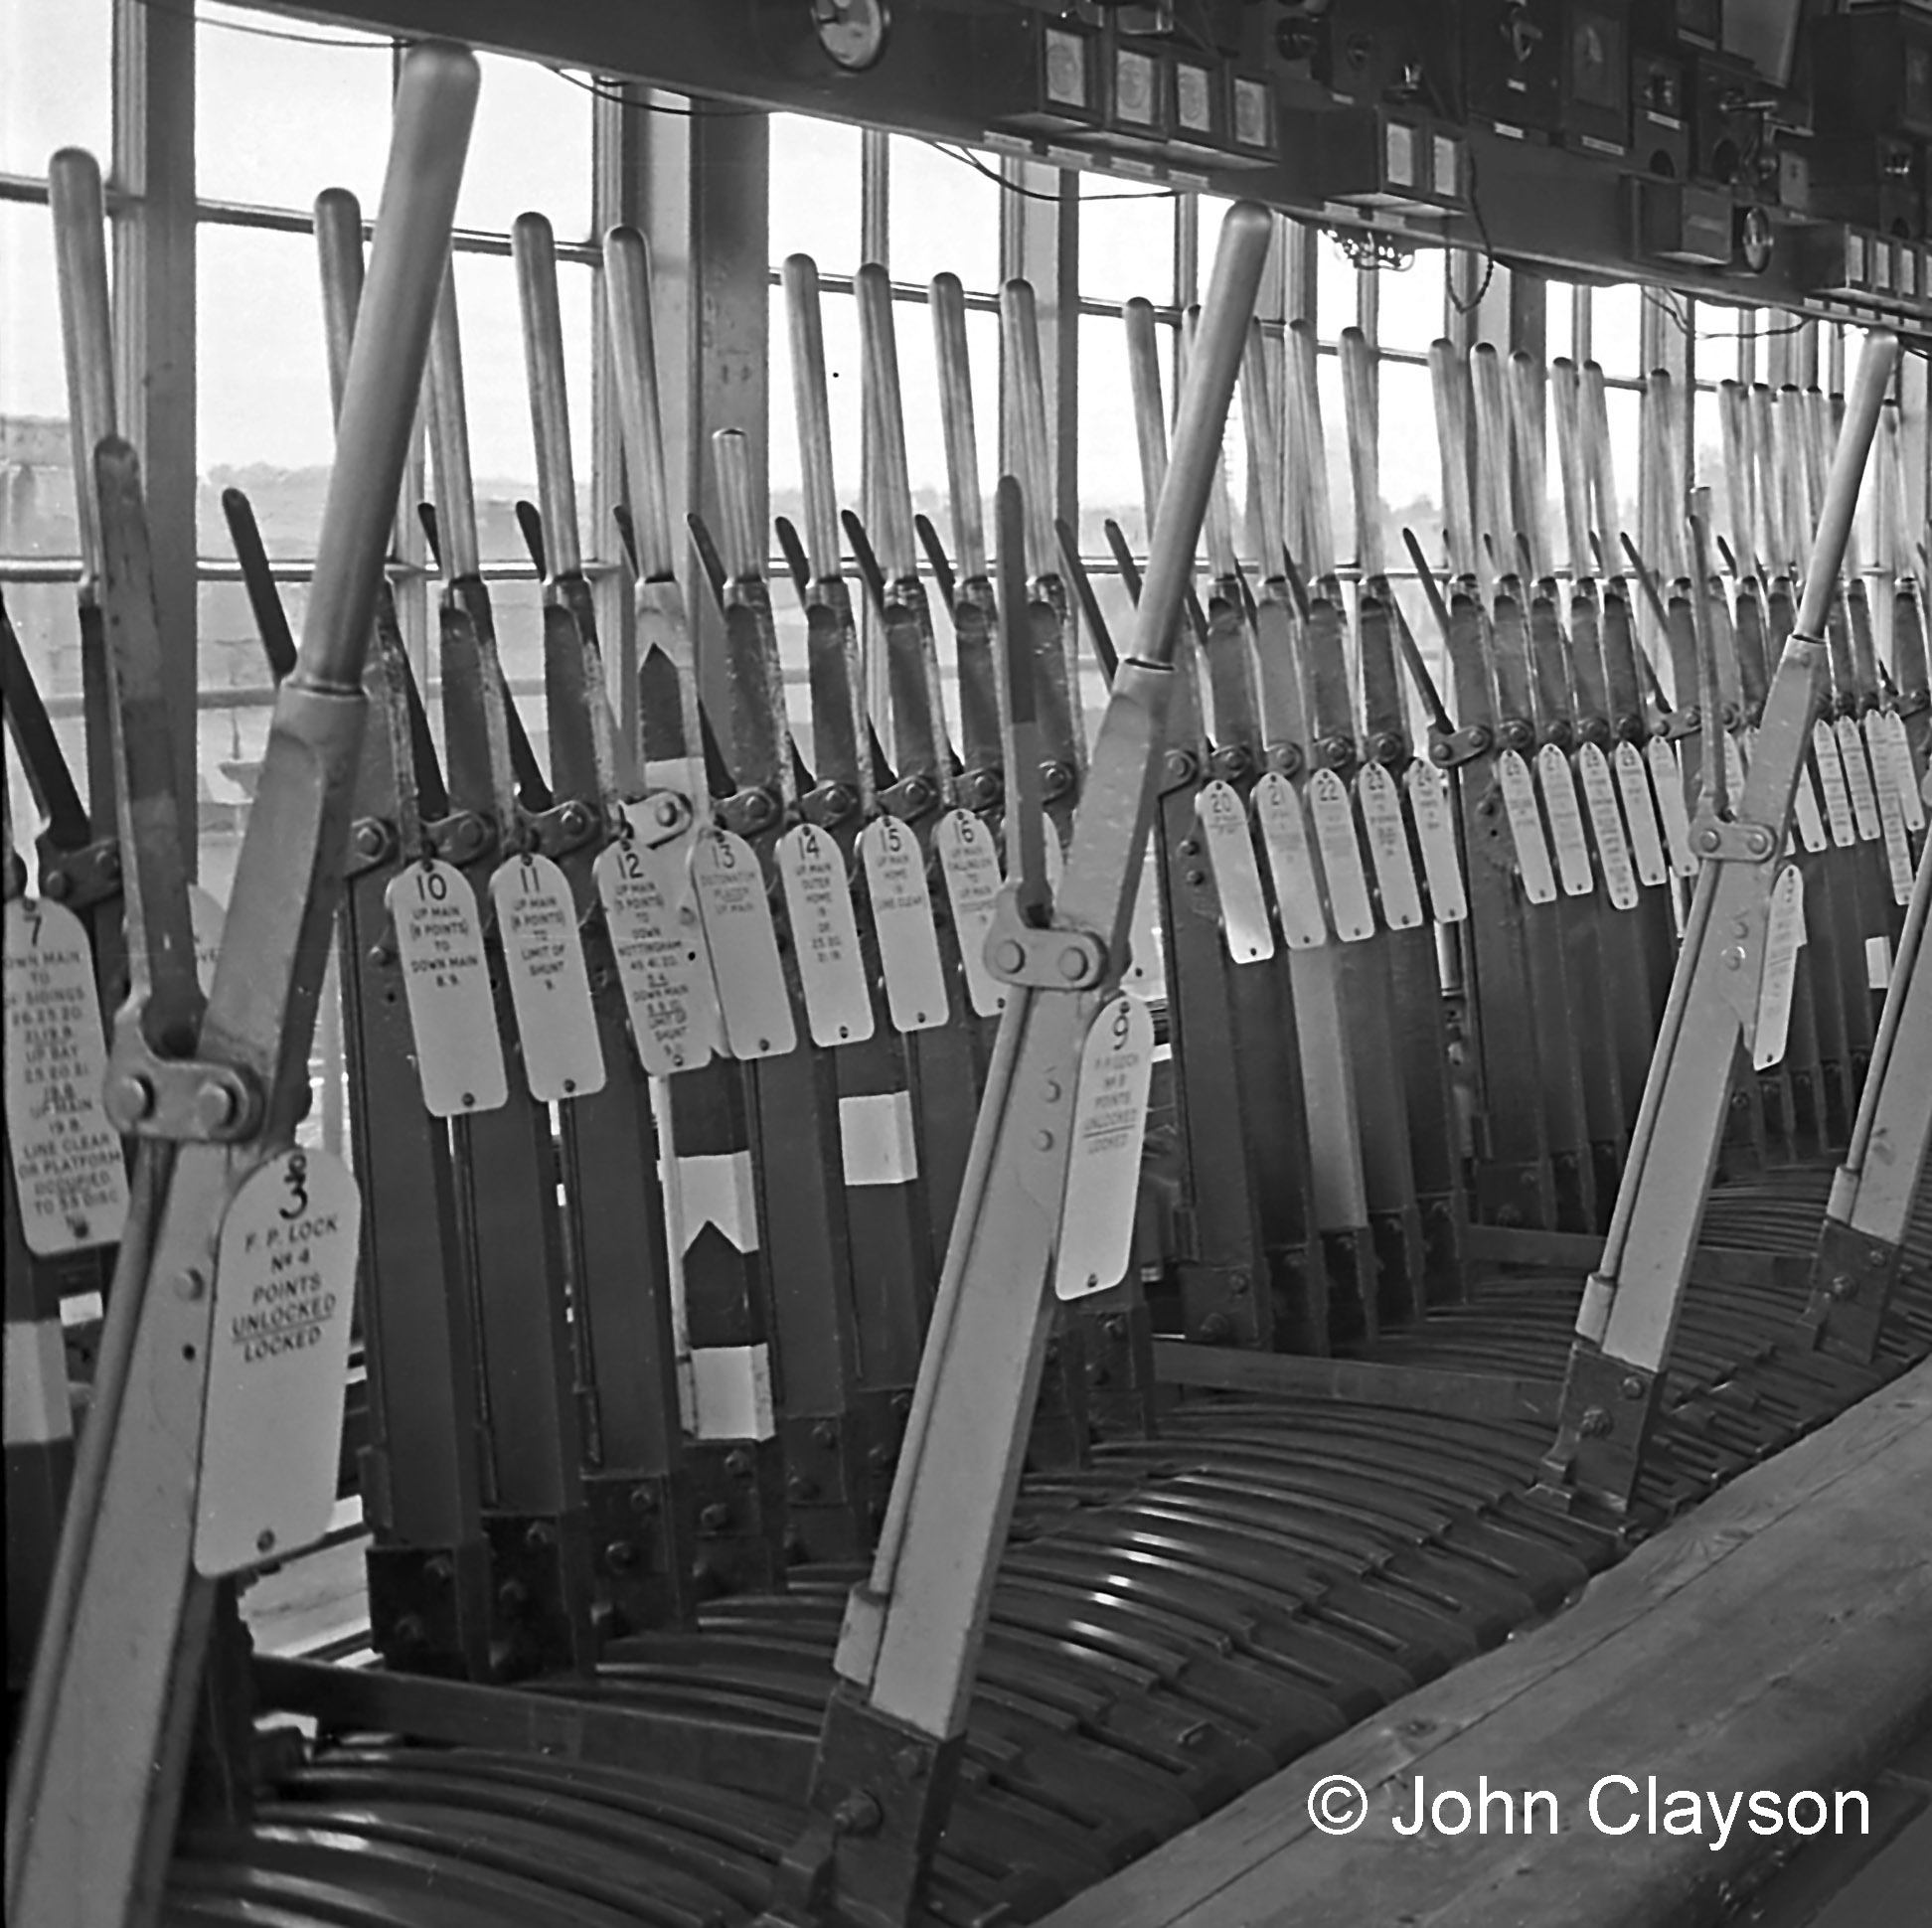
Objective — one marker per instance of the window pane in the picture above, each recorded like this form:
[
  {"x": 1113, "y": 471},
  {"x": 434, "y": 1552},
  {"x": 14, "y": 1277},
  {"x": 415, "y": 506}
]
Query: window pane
[
  {"x": 845, "y": 399},
  {"x": 1720, "y": 331},
  {"x": 37, "y": 514},
  {"x": 1616, "y": 335},
  {"x": 1335, "y": 437},
  {"x": 940, "y": 214},
  {"x": 1559, "y": 327},
  {"x": 815, "y": 192},
  {"x": 503, "y": 454},
  {"x": 56, "y": 80},
  {"x": 261, "y": 392},
  {"x": 275, "y": 122},
  {"x": 43, "y": 616},
  {"x": 531, "y": 148},
  {"x": 1336, "y": 304},
  {"x": 925, "y": 441},
  {"x": 1411, "y": 472},
  {"x": 1109, "y": 474},
  {"x": 1412, "y": 308},
  {"x": 1126, "y": 241},
  {"x": 1621, "y": 406}
]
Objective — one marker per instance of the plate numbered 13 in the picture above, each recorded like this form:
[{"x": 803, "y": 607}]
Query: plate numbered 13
[{"x": 271, "y": 1427}]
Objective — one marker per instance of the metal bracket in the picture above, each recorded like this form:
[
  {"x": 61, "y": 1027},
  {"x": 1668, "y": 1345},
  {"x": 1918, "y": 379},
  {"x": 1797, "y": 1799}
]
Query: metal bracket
[
  {"x": 910, "y": 799},
  {"x": 186, "y": 1099},
  {"x": 828, "y": 805},
  {"x": 1181, "y": 768},
  {"x": 81, "y": 876},
  {"x": 566, "y": 827},
  {"x": 1733, "y": 842},
  {"x": 1601, "y": 1430},
  {"x": 1450, "y": 750},
  {"x": 880, "y": 1792},
  {"x": 462, "y": 837},
  {"x": 1852, "y": 1275},
  {"x": 1231, "y": 764},
  {"x": 1679, "y": 724},
  {"x": 1285, "y": 759},
  {"x": 748, "y": 813},
  {"x": 371, "y": 842},
  {"x": 1050, "y": 957}
]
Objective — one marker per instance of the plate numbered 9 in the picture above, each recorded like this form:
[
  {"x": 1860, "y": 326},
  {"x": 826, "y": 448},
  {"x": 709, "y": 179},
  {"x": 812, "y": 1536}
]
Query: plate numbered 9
[{"x": 1096, "y": 1237}]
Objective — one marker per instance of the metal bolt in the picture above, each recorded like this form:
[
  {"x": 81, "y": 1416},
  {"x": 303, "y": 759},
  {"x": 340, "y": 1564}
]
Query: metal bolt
[
  {"x": 216, "y": 1106},
  {"x": 910, "y": 1764},
  {"x": 879, "y": 1458},
  {"x": 381, "y": 954},
  {"x": 1050, "y": 1091},
  {"x": 190, "y": 1285},
  {"x": 857, "y": 1814},
  {"x": 1757, "y": 840},
  {"x": 1711, "y": 839},
  {"x": 1877, "y": 1256},
  {"x": 1042, "y": 1141},
  {"x": 1440, "y": 752},
  {"x": 1216, "y": 1327},
  {"x": 410, "y": 1631},
  {"x": 1176, "y": 765},
  {"x": 1733, "y": 956},
  {"x": 1596, "y": 1422},
  {"x": 511, "y": 1594},
  {"x": 798, "y": 1486},
  {"x": 368, "y": 840},
  {"x": 1632, "y": 1388},
  {"x": 57, "y": 887},
  {"x": 538, "y": 1538},
  {"x": 134, "y": 1096},
  {"x": 825, "y": 1435},
  {"x": 1010, "y": 956},
  {"x": 738, "y": 1465},
  {"x": 1073, "y": 963},
  {"x": 1843, "y": 1287},
  {"x": 1740, "y": 927},
  {"x": 665, "y": 810},
  {"x": 442, "y": 1569},
  {"x": 901, "y": 1405},
  {"x": 1197, "y": 876},
  {"x": 1238, "y": 1284},
  {"x": 714, "y": 1518},
  {"x": 621, "y": 1556},
  {"x": 643, "y": 1500}
]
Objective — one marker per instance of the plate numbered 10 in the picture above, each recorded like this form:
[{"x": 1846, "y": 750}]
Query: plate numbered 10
[
  {"x": 278, "y": 1352},
  {"x": 452, "y": 1011}
]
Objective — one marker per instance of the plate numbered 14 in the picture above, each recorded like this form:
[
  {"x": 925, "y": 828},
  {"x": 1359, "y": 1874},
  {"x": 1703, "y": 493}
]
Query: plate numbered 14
[{"x": 271, "y": 1427}]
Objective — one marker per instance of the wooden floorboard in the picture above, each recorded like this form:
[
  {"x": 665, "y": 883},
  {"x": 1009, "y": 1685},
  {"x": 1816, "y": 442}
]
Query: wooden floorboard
[{"x": 1779, "y": 1637}]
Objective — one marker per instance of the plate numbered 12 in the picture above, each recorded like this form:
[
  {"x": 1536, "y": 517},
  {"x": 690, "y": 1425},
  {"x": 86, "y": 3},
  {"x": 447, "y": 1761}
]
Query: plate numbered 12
[
  {"x": 67, "y": 1158},
  {"x": 452, "y": 1011},
  {"x": 659, "y": 947},
  {"x": 1096, "y": 1235},
  {"x": 272, "y": 1427}
]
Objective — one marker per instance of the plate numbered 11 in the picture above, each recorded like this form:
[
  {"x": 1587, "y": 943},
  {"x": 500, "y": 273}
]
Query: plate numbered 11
[
  {"x": 278, "y": 1352},
  {"x": 1096, "y": 1235}
]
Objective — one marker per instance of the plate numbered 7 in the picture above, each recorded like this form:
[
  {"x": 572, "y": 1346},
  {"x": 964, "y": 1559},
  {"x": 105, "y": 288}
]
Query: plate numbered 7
[
  {"x": 1097, "y": 1233},
  {"x": 278, "y": 1352}
]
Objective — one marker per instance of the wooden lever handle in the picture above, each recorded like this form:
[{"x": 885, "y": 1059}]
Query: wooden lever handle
[{"x": 535, "y": 248}]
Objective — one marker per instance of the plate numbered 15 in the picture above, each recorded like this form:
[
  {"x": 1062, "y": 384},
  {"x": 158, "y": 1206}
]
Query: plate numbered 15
[
  {"x": 1096, "y": 1237},
  {"x": 67, "y": 1158},
  {"x": 902, "y": 915},
  {"x": 272, "y": 1427},
  {"x": 452, "y": 1011}
]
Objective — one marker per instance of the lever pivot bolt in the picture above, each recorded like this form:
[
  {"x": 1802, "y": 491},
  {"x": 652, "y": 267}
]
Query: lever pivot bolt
[{"x": 1595, "y": 1423}]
